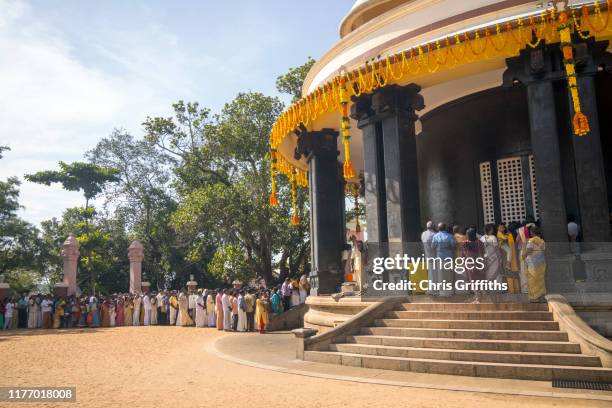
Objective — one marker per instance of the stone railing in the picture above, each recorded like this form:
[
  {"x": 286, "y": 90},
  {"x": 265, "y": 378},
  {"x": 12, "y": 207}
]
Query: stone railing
[
  {"x": 307, "y": 339},
  {"x": 591, "y": 342}
]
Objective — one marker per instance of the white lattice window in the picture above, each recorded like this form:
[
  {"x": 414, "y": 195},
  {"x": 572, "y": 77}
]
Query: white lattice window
[
  {"x": 487, "y": 192},
  {"x": 511, "y": 193},
  {"x": 534, "y": 190}
]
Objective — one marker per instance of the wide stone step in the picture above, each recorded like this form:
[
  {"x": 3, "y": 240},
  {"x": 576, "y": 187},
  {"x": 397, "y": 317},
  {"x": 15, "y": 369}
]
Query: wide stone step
[
  {"x": 527, "y": 335},
  {"x": 456, "y": 307},
  {"x": 469, "y": 344},
  {"x": 510, "y": 357},
  {"x": 470, "y": 315},
  {"x": 470, "y": 324},
  {"x": 466, "y": 368}
]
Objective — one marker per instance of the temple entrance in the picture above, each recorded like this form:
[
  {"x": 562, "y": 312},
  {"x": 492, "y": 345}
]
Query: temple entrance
[{"x": 508, "y": 189}]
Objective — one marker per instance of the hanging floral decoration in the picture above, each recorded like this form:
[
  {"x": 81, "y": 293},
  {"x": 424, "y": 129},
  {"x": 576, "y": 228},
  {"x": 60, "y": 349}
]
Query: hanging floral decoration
[
  {"x": 273, "y": 160},
  {"x": 295, "y": 220},
  {"x": 502, "y": 39},
  {"x": 580, "y": 121},
  {"x": 347, "y": 168}
]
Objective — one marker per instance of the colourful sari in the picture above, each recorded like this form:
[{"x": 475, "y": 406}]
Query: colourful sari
[
  {"x": 506, "y": 243},
  {"x": 536, "y": 267}
]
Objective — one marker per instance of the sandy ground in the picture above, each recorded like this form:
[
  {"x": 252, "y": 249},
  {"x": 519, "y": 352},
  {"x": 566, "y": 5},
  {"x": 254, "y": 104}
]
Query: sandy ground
[{"x": 153, "y": 366}]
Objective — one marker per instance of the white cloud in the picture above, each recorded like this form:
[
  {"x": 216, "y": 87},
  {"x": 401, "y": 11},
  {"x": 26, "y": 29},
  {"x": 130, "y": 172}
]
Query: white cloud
[{"x": 54, "y": 106}]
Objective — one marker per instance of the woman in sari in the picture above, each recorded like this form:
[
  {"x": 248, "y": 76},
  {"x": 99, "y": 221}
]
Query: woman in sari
[
  {"x": 536, "y": 265},
  {"x": 275, "y": 301},
  {"x": 32, "y": 312},
  {"x": 153, "y": 319},
  {"x": 183, "y": 306},
  {"x": 200, "y": 314},
  {"x": 58, "y": 313},
  {"x": 112, "y": 313},
  {"x": 83, "y": 313},
  {"x": 493, "y": 260},
  {"x": 119, "y": 309},
  {"x": 210, "y": 309},
  {"x": 522, "y": 237},
  {"x": 295, "y": 293},
  {"x": 510, "y": 270},
  {"x": 472, "y": 249},
  {"x": 128, "y": 311},
  {"x": 262, "y": 306},
  {"x": 105, "y": 314},
  {"x": 219, "y": 309}
]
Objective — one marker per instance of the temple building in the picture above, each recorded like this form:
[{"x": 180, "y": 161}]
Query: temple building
[
  {"x": 469, "y": 112},
  {"x": 461, "y": 112}
]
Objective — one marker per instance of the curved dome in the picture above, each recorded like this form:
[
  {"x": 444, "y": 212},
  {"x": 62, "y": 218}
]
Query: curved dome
[{"x": 364, "y": 11}]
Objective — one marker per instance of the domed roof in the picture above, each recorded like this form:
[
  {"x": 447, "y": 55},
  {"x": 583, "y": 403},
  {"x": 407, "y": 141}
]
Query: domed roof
[{"x": 364, "y": 11}]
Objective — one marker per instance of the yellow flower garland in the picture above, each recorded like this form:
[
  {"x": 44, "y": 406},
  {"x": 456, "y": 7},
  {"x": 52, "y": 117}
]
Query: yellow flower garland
[{"x": 505, "y": 39}]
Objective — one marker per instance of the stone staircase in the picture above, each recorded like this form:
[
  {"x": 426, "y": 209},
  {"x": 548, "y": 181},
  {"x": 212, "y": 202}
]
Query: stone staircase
[{"x": 503, "y": 340}]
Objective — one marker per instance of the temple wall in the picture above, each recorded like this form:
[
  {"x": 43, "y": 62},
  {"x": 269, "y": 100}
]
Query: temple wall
[{"x": 456, "y": 137}]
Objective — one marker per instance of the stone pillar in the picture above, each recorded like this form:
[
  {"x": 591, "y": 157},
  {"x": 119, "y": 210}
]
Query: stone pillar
[
  {"x": 395, "y": 107},
  {"x": 588, "y": 157},
  {"x": 326, "y": 203},
  {"x": 374, "y": 169},
  {"x": 136, "y": 255},
  {"x": 70, "y": 252},
  {"x": 536, "y": 69}
]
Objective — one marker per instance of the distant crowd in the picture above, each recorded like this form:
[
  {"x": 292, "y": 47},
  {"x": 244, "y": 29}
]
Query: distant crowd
[{"x": 233, "y": 309}]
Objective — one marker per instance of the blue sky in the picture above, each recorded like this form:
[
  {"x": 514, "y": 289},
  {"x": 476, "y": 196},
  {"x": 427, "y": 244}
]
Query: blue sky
[{"x": 71, "y": 71}]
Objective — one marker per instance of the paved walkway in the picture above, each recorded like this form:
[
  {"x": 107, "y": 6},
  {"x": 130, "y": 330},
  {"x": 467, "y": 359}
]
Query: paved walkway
[{"x": 276, "y": 351}]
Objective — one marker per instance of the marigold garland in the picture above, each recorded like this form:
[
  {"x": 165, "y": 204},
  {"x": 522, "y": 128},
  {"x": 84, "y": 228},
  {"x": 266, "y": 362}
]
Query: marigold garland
[
  {"x": 273, "y": 198},
  {"x": 347, "y": 168},
  {"x": 499, "y": 39},
  {"x": 580, "y": 121},
  {"x": 295, "y": 220}
]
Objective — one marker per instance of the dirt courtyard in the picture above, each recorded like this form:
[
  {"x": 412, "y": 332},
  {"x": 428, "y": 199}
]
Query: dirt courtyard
[{"x": 156, "y": 366}]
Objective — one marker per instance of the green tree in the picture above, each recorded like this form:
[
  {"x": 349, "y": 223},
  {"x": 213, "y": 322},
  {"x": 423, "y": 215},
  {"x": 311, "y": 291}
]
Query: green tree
[
  {"x": 19, "y": 242},
  {"x": 146, "y": 201},
  {"x": 89, "y": 179},
  {"x": 223, "y": 180},
  {"x": 291, "y": 82},
  {"x": 78, "y": 176}
]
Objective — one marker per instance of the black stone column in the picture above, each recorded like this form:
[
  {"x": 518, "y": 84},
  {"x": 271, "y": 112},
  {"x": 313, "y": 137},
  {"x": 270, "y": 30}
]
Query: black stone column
[
  {"x": 374, "y": 170},
  {"x": 395, "y": 106},
  {"x": 326, "y": 208},
  {"x": 588, "y": 157},
  {"x": 536, "y": 69}
]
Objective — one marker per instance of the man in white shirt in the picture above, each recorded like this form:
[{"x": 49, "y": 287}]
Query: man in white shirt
[
  {"x": 46, "y": 306},
  {"x": 8, "y": 313},
  {"x": 193, "y": 300}
]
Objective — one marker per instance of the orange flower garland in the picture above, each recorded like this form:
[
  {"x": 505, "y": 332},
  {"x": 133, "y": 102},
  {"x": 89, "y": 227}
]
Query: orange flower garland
[
  {"x": 273, "y": 198},
  {"x": 580, "y": 121},
  {"x": 347, "y": 169}
]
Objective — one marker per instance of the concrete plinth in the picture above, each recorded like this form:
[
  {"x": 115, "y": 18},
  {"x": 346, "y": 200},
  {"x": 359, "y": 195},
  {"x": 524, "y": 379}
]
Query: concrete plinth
[
  {"x": 145, "y": 287},
  {"x": 5, "y": 290},
  {"x": 62, "y": 289},
  {"x": 192, "y": 286}
]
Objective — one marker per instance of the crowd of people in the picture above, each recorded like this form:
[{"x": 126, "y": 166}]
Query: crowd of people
[
  {"x": 513, "y": 253},
  {"x": 233, "y": 309}
]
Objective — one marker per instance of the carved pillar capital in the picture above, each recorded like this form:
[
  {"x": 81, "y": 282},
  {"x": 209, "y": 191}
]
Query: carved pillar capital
[{"x": 322, "y": 142}]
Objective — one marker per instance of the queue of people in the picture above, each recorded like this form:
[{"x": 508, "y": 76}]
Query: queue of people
[
  {"x": 513, "y": 254},
  {"x": 241, "y": 310}
]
